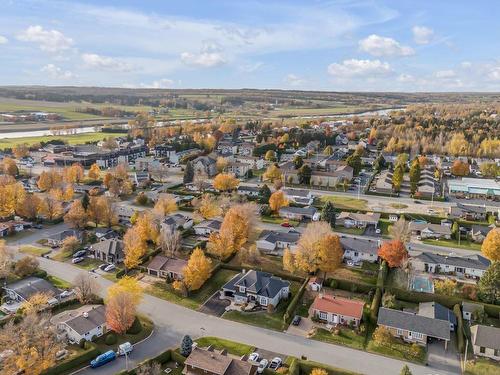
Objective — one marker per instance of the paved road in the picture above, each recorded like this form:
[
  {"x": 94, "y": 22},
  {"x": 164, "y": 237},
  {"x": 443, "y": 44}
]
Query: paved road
[{"x": 172, "y": 322}]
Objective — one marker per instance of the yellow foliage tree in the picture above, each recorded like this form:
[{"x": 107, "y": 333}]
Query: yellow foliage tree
[
  {"x": 318, "y": 371},
  {"x": 134, "y": 248},
  {"x": 208, "y": 207},
  {"x": 9, "y": 167},
  {"x": 220, "y": 245},
  {"x": 94, "y": 172},
  {"x": 128, "y": 284},
  {"x": 76, "y": 217},
  {"x": 10, "y": 197},
  {"x": 197, "y": 271},
  {"x": 272, "y": 173},
  {"x": 147, "y": 227},
  {"x": 225, "y": 182},
  {"x": 491, "y": 245},
  {"x": 68, "y": 194},
  {"x": 221, "y": 164},
  {"x": 277, "y": 200},
  {"x": 50, "y": 207},
  {"x": 36, "y": 303},
  {"x": 166, "y": 204},
  {"x": 20, "y": 150},
  {"x": 240, "y": 223},
  {"x": 288, "y": 261}
]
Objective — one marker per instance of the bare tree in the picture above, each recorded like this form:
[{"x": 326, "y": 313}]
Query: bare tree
[
  {"x": 199, "y": 180},
  {"x": 170, "y": 241},
  {"x": 400, "y": 230},
  {"x": 85, "y": 287}
]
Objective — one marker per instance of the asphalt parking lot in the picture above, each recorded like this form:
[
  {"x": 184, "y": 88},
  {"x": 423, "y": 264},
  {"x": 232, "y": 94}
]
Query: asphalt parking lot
[{"x": 214, "y": 306}]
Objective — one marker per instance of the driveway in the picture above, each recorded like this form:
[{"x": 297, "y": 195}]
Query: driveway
[
  {"x": 446, "y": 360},
  {"x": 302, "y": 329},
  {"x": 214, "y": 305}
]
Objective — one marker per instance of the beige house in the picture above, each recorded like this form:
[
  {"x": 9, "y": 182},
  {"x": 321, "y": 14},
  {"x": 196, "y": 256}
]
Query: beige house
[{"x": 486, "y": 341}]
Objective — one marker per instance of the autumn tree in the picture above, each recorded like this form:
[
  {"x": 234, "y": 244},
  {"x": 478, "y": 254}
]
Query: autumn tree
[
  {"x": 288, "y": 261},
  {"x": 85, "y": 287},
  {"x": 221, "y": 164},
  {"x": 405, "y": 370},
  {"x": 148, "y": 227},
  {"x": 393, "y": 252},
  {"x": 225, "y": 182},
  {"x": 318, "y": 371},
  {"x": 221, "y": 244},
  {"x": 9, "y": 166},
  {"x": 36, "y": 303},
  {"x": 304, "y": 174},
  {"x": 70, "y": 244},
  {"x": 207, "y": 207},
  {"x": 34, "y": 343},
  {"x": 26, "y": 266},
  {"x": 49, "y": 180},
  {"x": 460, "y": 168},
  {"x": 491, "y": 245},
  {"x": 73, "y": 174},
  {"x": 277, "y": 200},
  {"x": 51, "y": 207},
  {"x": 120, "y": 311},
  {"x": 491, "y": 170},
  {"x": 328, "y": 150},
  {"x": 170, "y": 242},
  {"x": 6, "y": 260},
  {"x": 106, "y": 211},
  {"x": 165, "y": 205},
  {"x": 397, "y": 178},
  {"x": 20, "y": 150},
  {"x": 196, "y": 272},
  {"x": 272, "y": 173},
  {"x": 400, "y": 230},
  {"x": 240, "y": 220},
  {"x": 382, "y": 336},
  {"x": 458, "y": 145},
  {"x": 270, "y": 155},
  {"x": 415, "y": 172},
  {"x": 134, "y": 248},
  {"x": 11, "y": 195},
  {"x": 94, "y": 172},
  {"x": 76, "y": 217}
]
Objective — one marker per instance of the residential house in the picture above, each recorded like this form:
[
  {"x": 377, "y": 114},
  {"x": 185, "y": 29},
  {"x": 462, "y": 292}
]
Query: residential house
[
  {"x": 57, "y": 239},
  {"x": 253, "y": 161},
  {"x": 141, "y": 179},
  {"x": 176, "y": 221},
  {"x": 486, "y": 341},
  {"x": 147, "y": 164},
  {"x": 207, "y": 227},
  {"x": 257, "y": 287},
  {"x": 125, "y": 213},
  {"x": 164, "y": 151},
  {"x": 204, "y": 165},
  {"x": 412, "y": 327},
  {"x": 468, "y": 212},
  {"x": 360, "y": 249},
  {"x": 227, "y": 147},
  {"x": 478, "y": 233},
  {"x": 246, "y": 149},
  {"x": 472, "y": 266},
  {"x": 216, "y": 362},
  {"x": 275, "y": 242},
  {"x": 4, "y": 230},
  {"x": 300, "y": 213},
  {"x": 238, "y": 169},
  {"x": 357, "y": 220},
  {"x": 428, "y": 230},
  {"x": 299, "y": 196},
  {"x": 383, "y": 183},
  {"x": 85, "y": 323},
  {"x": 471, "y": 310},
  {"x": 335, "y": 310},
  {"x": 105, "y": 233},
  {"x": 249, "y": 191},
  {"x": 109, "y": 251},
  {"x": 23, "y": 290},
  {"x": 437, "y": 311},
  {"x": 166, "y": 268}
]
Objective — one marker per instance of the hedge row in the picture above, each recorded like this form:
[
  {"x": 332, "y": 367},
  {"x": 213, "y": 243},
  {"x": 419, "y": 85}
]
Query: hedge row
[
  {"x": 382, "y": 275},
  {"x": 375, "y": 305},
  {"x": 460, "y": 328},
  {"x": 290, "y": 310},
  {"x": 72, "y": 363},
  {"x": 283, "y": 275},
  {"x": 350, "y": 286}
]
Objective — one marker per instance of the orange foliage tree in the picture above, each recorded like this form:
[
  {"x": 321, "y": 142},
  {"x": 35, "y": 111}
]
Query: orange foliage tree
[{"x": 393, "y": 252}]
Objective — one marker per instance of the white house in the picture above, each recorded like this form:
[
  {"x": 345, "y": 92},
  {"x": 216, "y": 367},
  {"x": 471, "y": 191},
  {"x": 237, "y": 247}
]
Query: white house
[
  {"x": 85, "y": 323},
  {"x": 486, "y": 341},
  {"x": 299, "y": 196},
  {"x": 472, "y": 266},
  {"x": 427, "y": 230},
  {"x": 360, "y": 249},
  {"x": 249, "y": 191},
  {"x": 274, "y": 242},
  {"x": 300, "y": 213},
  {"x": 357, "y": 220},
  {"x": 207, "y": 227}
]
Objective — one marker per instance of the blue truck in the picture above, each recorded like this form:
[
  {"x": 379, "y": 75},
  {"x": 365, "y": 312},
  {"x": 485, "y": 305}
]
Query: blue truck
[{"x": 103, "y": 359}]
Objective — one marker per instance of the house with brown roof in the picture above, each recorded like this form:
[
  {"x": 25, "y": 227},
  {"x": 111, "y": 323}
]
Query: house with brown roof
[
  {"x": 212, "y": 362},
  {"x": 336, "y": 310},
  {"x": 166, "y": 268}
]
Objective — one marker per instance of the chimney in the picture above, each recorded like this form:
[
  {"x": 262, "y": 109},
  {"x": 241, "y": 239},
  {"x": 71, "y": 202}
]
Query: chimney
[{"x": 85, "y": 314}]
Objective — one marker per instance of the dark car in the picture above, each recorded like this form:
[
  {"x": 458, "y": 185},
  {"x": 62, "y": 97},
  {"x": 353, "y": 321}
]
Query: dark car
[
  {"x": 37, "y": 226},
  {"x": 296, "y": 320}
]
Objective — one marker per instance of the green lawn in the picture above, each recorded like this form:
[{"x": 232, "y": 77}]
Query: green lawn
[
  {"x": 63, "y": 109},
  {"x": 147, "y": 327},
  {"x": 399, "y": 350},
  {"x": 346, "y": 337},
  {"x": 165, "y": 291},
  {"x": 398, "y": 206},
  {"x": 384, "y": 225},
  {"x": 264, "y": 319},
  {"x": 355, "y": 231},
  {"x": 482, "y": 366},
  {"x": 277, "y": 220},
  {"x": 59, "y": 283},
  {"x": 33, "y": 250},
  {"x": 345, "y": 202},
  {"x": 219, "y": 344},
  {"x": 70, "y": 139},
  {"x": 89, "y": 264},
  {"x": 464, "y": 244}
]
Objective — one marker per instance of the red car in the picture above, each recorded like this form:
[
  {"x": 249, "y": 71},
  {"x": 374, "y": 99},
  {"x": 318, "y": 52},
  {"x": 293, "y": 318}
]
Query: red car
[{"x": 287, "y": 225}]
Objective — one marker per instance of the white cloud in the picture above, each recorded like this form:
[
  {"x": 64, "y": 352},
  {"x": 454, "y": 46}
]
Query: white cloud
[
  {"x": 445, "y": 74},
  {"x": 3, "y": 40},
  {"x": 294, "y": 80},
  {"x": 96, "y": 61},
  {"x": 406, "y": 78},
  {"x": 494, "y": 73},
  {"x": 377, "y": 45},
  {"x": 209, "y": 56},
  {"x": 48, "y": 40},
  {"x": 250, "y": 68},
  {"x": 422, "y": 34},
  {"x": 359, "y": 68},
  {"x": 56, "y": 72}
]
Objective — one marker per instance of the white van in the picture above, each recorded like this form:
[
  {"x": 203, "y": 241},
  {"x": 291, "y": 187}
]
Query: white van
[{"x": 125, "y": 348}]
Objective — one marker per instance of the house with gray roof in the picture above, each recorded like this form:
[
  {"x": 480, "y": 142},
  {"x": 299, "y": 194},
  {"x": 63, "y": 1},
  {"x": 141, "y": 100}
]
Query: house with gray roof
[
  {"x": 275, "y": 242},
  {"x": 299, "y": 213},
  {"x": 23, "y": 290},
  {"x": 205, "y": 165},
  {"x": 57, "y": 239},
  {"x": 427, "y": 230},
  {"x": 109, "y": 250},
  {"x": 249, "y": 191},
  {"x": 478, "y": 233},
  {"x": 357, "y": 220},
  {"x": 176, "y": 221},
  {"x": 358, "y": 249},
  {"x": 486, "y": 341},
  {"x": 471, "y": 266},
  {"x": 468, "y": 212},
  {"x": 85, "y": 323},
  {"x": 207, "y": 227},
  {"x": 470, "y": 310},
  {"x": 437, "y": 311},
  {"x": 300, "y": 196},
  {"x": 412, "y": 327},
  {"x": 257, "y": 287}
]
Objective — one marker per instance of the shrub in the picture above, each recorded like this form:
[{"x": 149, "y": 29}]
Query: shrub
[
  {"x": 82, "y": 343},
  {"x": 110, "y": 339},
  {"x": 389, "y": 300},
  {"x": 136, "y": 327},
  {"x": 375, "y": 305},
  {"x": 333, "y": 284},
  {"x": 186, "y": 346},
  {"x": 68, "y": 365},
  {"x": 460, "y": 328}
]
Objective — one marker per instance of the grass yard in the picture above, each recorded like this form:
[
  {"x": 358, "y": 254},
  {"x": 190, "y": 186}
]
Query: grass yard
[
  {"x": 264, "y": 319},
  {"x": 232, "y": 347},
  {"x": 63, "y": 109},
  {"x": 347, "y": 337},
  {"x": 70, "y": 139},
  {"x": 147, "y": 327},
  {"x": 482, "y": 366},
  {"x": 278, "y": 220},
  {"x": 355, "y": 231},
  {"x": 384, "y": 225},
  {"x": 464, "y": 244},
  {"x": 400, "y": 350},
  {"x": 345, "y": 202},
  {"x": 165, "y": 291},
  {"x": 33, "y": 250},
  {"x": 89, "y": 264},
  {"x": 59, "y": 283},
  {"x": 354, "y": 274}
]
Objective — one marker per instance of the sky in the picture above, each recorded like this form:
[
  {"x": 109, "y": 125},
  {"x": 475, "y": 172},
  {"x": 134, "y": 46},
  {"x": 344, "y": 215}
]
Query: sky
[{"x": 359, "y": 45}]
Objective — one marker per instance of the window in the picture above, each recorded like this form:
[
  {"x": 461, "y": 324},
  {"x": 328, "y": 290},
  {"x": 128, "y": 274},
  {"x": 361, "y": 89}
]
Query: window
[
  {"x": 496, "y": 353},
  {"x": 418, "y": 335},
  {"x": 482, "y": 350},
  {"x": 399, "y": 332},
  {"x": 323, "y": 315}
]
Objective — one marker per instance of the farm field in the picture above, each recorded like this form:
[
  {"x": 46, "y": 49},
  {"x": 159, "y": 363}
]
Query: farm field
[{"x": 70, "y": 139}]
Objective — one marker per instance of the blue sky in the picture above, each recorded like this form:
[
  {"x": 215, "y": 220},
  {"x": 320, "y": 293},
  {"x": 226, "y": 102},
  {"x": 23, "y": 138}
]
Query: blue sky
[{"x": 341, "y": 45}]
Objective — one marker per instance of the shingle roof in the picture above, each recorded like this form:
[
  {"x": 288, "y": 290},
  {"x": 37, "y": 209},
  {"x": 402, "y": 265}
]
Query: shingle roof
[
  {"x": 216, "y": 363},
  {"x": 369, "y": 218},
  {"x": 299, "y": 210},
  {"x": 296, "y": 192},
  {"x": 94, "y": 317},
  {"x": 471, "y": 307},
  {"x": 32, "y": 285},
  {"x": 160, "y": 262},
  {"x": 435, "y": 228},
  {"x": 362, "y": 245},
  {"x": 486, "y": 336},
  {"x": 258, "y": 282},
  {"x": 111, "y": 246},
  {"x": 415, "y": 323},
  {"x": 274, "y": 236},
  {"x": 473, "y": 261},
  {"x": 337, "y": 305},
  {"x": 436, "y": 311}
]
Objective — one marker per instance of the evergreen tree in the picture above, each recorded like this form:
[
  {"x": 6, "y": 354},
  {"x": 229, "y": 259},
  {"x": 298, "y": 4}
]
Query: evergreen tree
[
  {"x": 304, "y": 174},
  {"x": 328, "y": 214},
  {"x": 264, "y": 194},
  {"x": 188, "y": 173},
  {"x": 85, "y": 201},
  {"x": 354, "y": 161},
  {"x": 489, "y": 284},
  {"x": 186, "y": 346},
  {"x": 405, "y": 370},
  {"x": 298, "y": 162}
]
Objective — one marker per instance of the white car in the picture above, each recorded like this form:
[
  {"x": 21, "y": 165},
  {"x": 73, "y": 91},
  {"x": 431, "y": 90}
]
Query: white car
[
  {"x": 377, "y": 231},
  {"x": 67, "y": 293},
  {"x": 254, "y": 357},
  {"x": 77, "y": 260},
  {"x": 262, "y": 366},
  {"x": 419, "y": 238},
  {"x": 275, "y": 363},
  {"x": 109, "y": 268}
]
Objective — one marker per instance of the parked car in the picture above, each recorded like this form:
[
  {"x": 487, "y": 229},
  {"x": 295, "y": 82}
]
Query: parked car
[
  {"x": 419, "y": 238},
  {"x": 254, "y": 357},
  {"x": 125, "y": 348},
  {"x": 287, "y": 225},
  {"x": 67, "y": 293},
  {"x": 275, "y": 363},
  {"x": 103, "y": 359},
  {"x": 103, "y": 266},
  {"x": 262, "y": 366},
  {"x": 79, "y": 254},
  {"x": 77, "y": 260},
  {"x": 296, "y": 320},
  {"x": 37, "y": 226},
  {"x": 377, "y": 231},
  {"x": 109, "y": 268}
]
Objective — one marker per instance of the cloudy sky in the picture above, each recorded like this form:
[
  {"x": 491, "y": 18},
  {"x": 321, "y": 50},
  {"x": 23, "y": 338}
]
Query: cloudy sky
[{"x": 359, "y": 45}]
